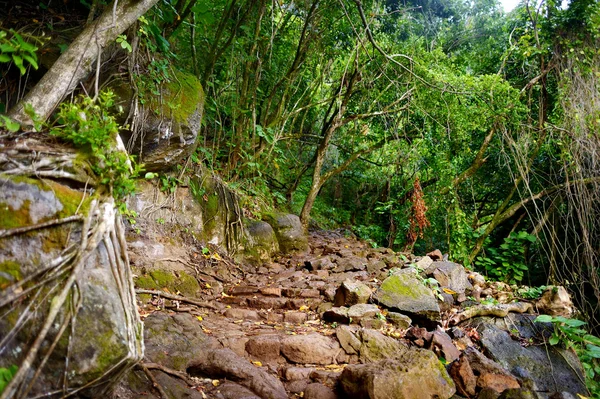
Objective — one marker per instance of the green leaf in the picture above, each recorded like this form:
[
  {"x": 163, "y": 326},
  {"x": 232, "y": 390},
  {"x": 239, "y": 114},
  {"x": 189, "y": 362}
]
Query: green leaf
[
  {"x": 5, "y": 58},
  {"x": 544, "y": 318},
  {"x": 31, "y": 60},
  {"x": 554, "y": 339},
  {"x": 18, "y": 60}
]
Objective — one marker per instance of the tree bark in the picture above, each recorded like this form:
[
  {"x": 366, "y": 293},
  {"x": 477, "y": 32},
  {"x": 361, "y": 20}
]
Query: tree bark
[{"x": 79, "y": 59}]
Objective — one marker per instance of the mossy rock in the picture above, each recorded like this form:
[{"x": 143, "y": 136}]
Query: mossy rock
[
  {"x": 406, "y": 293},
  {"x": 179, "y": 281},
  {"x": 289, "y": 231},
  {"x": 261, "y": 242},
  {"x": 170, "y": 122}
]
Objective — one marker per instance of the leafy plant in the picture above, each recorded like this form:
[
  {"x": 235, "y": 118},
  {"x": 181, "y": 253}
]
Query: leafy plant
[
  {"x": 586, "y": 346},
  {"x": 6, "y": 375},
  {"x": 122, "y": 40},
  {"x": 13, "y": 48},
  {"x": 507, "y": 263},
  {"x": 89, "y": 125},
  {"x": 168, "y": 184}
]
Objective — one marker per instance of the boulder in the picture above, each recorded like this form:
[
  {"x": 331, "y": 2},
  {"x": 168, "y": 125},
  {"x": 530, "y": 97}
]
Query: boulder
[
  {"x": 399, "y": 320},
  {"x": 551, "y": 369},
  {"x": 450, "y": 275},
  {"x": 319, "y": 391},
  {"x": 351, "y": 293},
  {"x": 264, "y": 347},
  {"x": 312, "y": 348},
  {"x": 224, "y": 363},
  {"x": 352, "y": 264},
  {"x": 405, "y": 293},
  {"x": 347, "y": 336},
  {"x": 361, "y": 311},
  {"x": 48, "y": 271},
  {"x": 261, "y": 241},
  {"x": 290, "y": 233},
  {"x": 175, "y": 340},
  {"x": 165, "y": 134},
  {"x": 415, "y": 373},
  {"x": 336, "y": 315},
  {"x": 375, "y": 346}
]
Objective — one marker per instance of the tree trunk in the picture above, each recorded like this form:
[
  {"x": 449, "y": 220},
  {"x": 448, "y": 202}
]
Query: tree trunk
[{"x": 79, "y": 59}]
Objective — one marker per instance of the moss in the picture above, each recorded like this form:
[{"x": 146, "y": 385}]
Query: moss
[
  {"x": 396, "y": 285},
  {"x": 11, "y": 218},
  {"x": 160, "y": 279},
  {"x": 8, "y": 269},
  {"x": 181, "y": 97}
]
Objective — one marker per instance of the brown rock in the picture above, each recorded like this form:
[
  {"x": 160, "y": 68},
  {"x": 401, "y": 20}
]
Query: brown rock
[
  {"x": 351, "y": 293},
  {"x": 444, "y": 343},
  {"x": 310, "y": 293},
  {"x": 295, "y": 317},
  {"x": 336, "y": 315},
  {"x": 555, "y": 301},
  {"x": 463, "y": 376},
  {"x": 497, "y": 382},
  {"x": 243, "y": 290},
  {"x": 319, "y": 391},
  {"x": 264, "y": 347},
  {"x": 231, "y": 390},
  {"x": 267, "y": 303},
  {"x": 297, "y": 373},
  {"x": 241, "y": 314},
  {"x": 312, "y": 349},
  {"x": 271, "y": 291},
  {"x": 436, "y": 255}
]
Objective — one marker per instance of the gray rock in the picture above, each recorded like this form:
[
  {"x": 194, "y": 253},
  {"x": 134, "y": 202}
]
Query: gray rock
[
  {"x": 551, "y": 369},
  {"x": 414, "y": 374},
  {"x": 336, "y": 315},
  {"x": 224, "y": 363},
  {"x": 264, "y": 347},
  {"x": 231, "y": 390},
  {"x": 375, "y": 346},
  {"x": 362, "y": 311},
  {"x": 404, "y": 292},
  {"x": 289, "y": 231},
  {"x": 313, "y": 348},
  {"x": 450, "y": 275},
  {"x": 351, "y": 293},
  {"x": 175, "y": 340},
  {"x": 352, "y": 264}
]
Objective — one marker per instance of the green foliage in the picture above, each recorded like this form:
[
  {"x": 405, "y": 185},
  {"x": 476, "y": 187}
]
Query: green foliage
[
  {"x": 507, "y": 262},
  {"x": 168, "y": 184},
  {"x": 569, "y": 332},
  {"x": 90, "y": 126},
  {"x": 122, "y": 40},
  {"x": 6, "y": 375},
  {"x": 14, "y": 49},
  {"x": 531, "y": 292}
]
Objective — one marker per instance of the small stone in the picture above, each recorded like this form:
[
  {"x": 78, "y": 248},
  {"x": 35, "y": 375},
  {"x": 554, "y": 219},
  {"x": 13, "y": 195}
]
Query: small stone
[
  {"x": 444, "y": 343},
  {"x": 271, "y": 291},
  {"x": 497, "y": 382},
  {"x": 273, "y": 317},
  {"x": 310, "y": 293},
  {"x": 348, "y": 340},
  {"x": 424, "y": 262},
  {"x": 555, "y": 301},
  {"x": 295, "y": 317},
  {"x": 336, "y": 315},
  {"x": 297, "y": 373},
  {"x": 312, "y": 348},
  {"x": 241, "y": 314},
  {"x": 435, "y": 255},
  {"x": 463, "y": 376},
  {"x": 243, "y": 290},
  {"x": 361, "y": 311},
  {"x": 264, "y": 347}
]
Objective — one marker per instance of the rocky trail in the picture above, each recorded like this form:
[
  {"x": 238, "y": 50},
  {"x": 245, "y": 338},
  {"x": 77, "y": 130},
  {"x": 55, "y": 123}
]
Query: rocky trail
[{"x": 344, "y": 320}]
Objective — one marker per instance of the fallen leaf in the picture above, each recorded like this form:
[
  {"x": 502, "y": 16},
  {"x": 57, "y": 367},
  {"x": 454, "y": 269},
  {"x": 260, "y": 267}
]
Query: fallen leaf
[
  {"x": 257, "y": 363},
  {"x": 303, "y": 308},
  {"x": 215, "y": 383},
  {"x": 199, "y": 318},
  {"x": 207, "y": 285},
  {"x": 449, "y": 291}
]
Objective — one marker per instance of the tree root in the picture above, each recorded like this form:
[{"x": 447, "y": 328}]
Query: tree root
[
  {"x": 174, "y": 373},
  {"x": 155, "y": 383},
  {"x": 500, "y": 310}
]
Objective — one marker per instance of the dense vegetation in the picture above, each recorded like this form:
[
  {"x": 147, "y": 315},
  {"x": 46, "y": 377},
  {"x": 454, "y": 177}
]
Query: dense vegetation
[{"x": 420, "y": 124}]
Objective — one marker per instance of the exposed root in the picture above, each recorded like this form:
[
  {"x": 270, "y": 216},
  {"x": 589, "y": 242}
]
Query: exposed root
[
  {"x": 174, "y": 297},
  {"x": 501, "y": 310}
]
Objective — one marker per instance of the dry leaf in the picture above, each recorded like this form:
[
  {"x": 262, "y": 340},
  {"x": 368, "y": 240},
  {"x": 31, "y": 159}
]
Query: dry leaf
[{"x": 215, "y": 383}]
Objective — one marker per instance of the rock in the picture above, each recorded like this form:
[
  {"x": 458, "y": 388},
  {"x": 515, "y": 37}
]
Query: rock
[
  {"x": 297, "y": 373},
  {"x": 313, "y": 348},
  {"x": 375, "y": 266},
  {"x": 498, "y": 383},
  {"x": 104, "y": 339},
  {"x": 167, "y": 134},
  {"x": 289, "y": 231},
  {"x": 271, "y": 291},
  {"x": 424, "y": 262},
  {"x": 551, "y": 369},
  {"x": 419, "y": 335},
  {"x": 264, "y": 347},
  {"x": 450, "y": 275},
  {"x": 555, "y": 301},
  {"x": 241, "y": 314},
  {"x": 476, "y": 279},
  {"x": 518, "y": 394},
  {"x": 336, "y": 315},
  {"x": 347, "y": 336},
  {"x": 351, "y": 293},
  {"x": 223, "y": 363},
  {"x": 231, "y": 390},
  {"x": 261, "y": 242},
  {"x": 443, "y": 341},
  {"x": 435, "y": 255},
  {"x": 405, "y": 293},
  {"x": 295, "y": 317},
  {"x": 175, "y": 340},
  {"x": 297, "y": 386},
  {"x": 362, "y": 311},
  {"x": 352, "y": 264},
  {"x": 399, "y": 320},
  {"x": 375, "y": 346},
  {"x": 414, "y": 374},
  {"x": 463, "y": 377},
  {"x": 319, "y": 391},
  {"x": 136, "y": 385}
]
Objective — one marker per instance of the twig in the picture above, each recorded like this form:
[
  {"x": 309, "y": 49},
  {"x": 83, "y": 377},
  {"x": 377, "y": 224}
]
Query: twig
[
  {"x": 179, "y": 298},
  {"x": 175, "y": 373},
  {"x": 155, "y": 383}
]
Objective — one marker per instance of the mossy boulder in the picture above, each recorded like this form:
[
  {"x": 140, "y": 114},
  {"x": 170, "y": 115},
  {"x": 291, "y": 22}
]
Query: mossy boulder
[
  {"x": 96, "y": 334},
  {"x": 173, "y": 281},
  {"x": 406, "y": 293},
  {"x": 289, "y": 231},
  {"x": 167, "y": 124},
  {"x": 261, "y": 241},
  {"x": 415, "y": 373}
]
